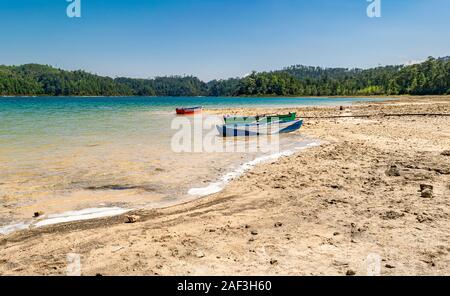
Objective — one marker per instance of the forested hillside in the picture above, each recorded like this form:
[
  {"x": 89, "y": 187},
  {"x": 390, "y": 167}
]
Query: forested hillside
[
  {"x": 35, "y": 79},
  {"x": 431, "y": 77}
]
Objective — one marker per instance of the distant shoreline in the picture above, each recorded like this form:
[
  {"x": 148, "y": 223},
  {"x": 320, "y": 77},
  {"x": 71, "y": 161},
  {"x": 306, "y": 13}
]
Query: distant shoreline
[{"x": 231, "y": 97}]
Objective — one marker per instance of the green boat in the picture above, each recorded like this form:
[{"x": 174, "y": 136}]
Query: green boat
[{"x": 259, "y": 118}]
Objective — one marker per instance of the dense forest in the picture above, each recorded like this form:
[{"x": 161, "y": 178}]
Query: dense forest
[{"x": 431, "y": 77}]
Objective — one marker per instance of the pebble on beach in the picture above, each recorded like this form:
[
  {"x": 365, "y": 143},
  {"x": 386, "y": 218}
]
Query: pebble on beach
[
  {"x": 38, "y": 214},
  {"x": 389, "y": 266},
  {"x": 426, "y": 191},
  {"x": 393, "y": 171},
  {"x": 132, "y": 218},
  {"x": 199, "y": 254},
  {"x": 278, "y": 224}
]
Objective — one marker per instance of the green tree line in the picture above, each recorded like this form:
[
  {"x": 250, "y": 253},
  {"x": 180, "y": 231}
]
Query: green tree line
[{"x": 431, "y": 77}]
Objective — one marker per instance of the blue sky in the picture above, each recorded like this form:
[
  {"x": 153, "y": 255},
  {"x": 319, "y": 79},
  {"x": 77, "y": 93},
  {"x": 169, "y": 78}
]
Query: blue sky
[{"x": 219, "y": 38}]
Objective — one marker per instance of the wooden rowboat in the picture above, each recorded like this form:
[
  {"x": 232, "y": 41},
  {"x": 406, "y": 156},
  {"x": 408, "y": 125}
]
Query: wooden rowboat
[
  {"x": 260, "y": 118},
  {"x": 257, "y": 129},
  {"x": 191, "y": 110}
]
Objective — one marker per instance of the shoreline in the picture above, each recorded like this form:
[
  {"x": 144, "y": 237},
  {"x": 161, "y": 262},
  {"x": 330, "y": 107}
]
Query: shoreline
[
  {"x": 106, "y": 212},
  {"x": 333, "y": 205}
]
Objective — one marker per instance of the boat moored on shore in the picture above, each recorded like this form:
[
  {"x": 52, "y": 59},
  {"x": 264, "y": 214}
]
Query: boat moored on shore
[
  {"x": 258, "y": 129},
  {"x": 189, "y": 111},
  {"x": 260, "y": 118}
]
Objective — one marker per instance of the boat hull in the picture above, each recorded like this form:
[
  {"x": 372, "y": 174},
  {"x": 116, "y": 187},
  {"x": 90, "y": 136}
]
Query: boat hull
[
  {"x": 258, "y": 129},
  {"x": 261, "y": 119},
  {"x": 187, "y": 111}
]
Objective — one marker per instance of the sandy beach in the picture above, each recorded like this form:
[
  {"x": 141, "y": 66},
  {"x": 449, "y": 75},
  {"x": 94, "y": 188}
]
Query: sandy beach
[{"x": 377, "y": 187}]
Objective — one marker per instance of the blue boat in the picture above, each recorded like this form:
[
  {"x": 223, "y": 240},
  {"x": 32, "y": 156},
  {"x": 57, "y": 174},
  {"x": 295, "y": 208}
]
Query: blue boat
[{"x": 258, "y": 129}]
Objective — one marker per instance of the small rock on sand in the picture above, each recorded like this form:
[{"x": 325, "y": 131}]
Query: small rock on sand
[
  {"x": 446, "y": 153},
  {"x": 422, "y": 218},
  {"x": 38, "y": 214},
  {"x": 278, "y": 224},
  {"x": 393, "y": 171},
  {"x": 389, "y": 266},
  {"x": 199, "y": 254},
  {"x": 426, "y": 191},
  {"x": 273, "y": 261},
  {"x": 350, "y": 272},
  {"x": 254, "y": 232},
  {"x": 132, "y": 218}
]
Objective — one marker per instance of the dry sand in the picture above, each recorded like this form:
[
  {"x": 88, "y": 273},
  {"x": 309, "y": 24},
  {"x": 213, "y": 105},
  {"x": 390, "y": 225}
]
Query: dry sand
[{"x": 322, "y": 211}]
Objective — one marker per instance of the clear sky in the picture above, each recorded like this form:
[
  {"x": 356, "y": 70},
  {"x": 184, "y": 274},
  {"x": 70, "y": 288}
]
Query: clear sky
[{"x": 219, "y": 38}]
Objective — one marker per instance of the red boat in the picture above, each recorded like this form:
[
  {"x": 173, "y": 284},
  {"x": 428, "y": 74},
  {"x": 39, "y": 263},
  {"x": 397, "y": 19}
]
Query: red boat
[{"x": 187, "y": 111}]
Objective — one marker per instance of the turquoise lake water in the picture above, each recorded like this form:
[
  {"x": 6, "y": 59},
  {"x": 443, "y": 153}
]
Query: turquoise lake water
[
  {"x": 63, "y": 154},
  {"x": 162, "y": 103}
]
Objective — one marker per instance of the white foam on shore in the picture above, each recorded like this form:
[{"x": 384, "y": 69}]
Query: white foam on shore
[
  {"x": 70, "y": 216},
  {"x": 220, "y": 185},
  {"x": 80, "y": 215},
  {"x": 13, "y": 227}
]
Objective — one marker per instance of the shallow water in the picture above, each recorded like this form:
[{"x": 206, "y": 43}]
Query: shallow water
[{"x": 68, "y": 154}]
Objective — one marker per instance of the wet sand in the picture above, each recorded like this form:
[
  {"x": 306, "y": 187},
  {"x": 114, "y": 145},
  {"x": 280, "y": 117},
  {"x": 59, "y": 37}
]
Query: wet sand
[{"x": 323, "y": 210}]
